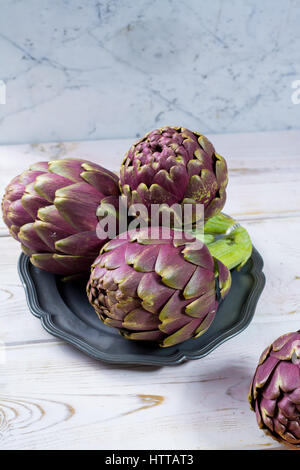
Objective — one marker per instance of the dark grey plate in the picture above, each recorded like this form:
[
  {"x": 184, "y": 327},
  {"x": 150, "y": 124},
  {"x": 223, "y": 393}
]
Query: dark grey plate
[{"x": 66, "y": 313}]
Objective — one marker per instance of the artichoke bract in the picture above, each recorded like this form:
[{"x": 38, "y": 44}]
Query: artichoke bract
[
  {"x": 275, "y": 390},
  {"x": 158, "y": 289},
  {"x": 173, "y": 165},
  {"x": 51, "y": 210}
]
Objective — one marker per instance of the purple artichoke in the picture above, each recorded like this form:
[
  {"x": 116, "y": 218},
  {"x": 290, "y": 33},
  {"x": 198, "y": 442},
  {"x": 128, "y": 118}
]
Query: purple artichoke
[
  {"x": 159, "y": 289},
  {"x": 51, "y": 210},
  {"x": 173, "y": 165},
  {"x": 275, "y": 390}
]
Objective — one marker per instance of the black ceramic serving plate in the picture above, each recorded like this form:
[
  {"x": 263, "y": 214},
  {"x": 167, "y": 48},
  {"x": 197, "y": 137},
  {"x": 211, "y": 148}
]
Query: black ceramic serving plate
[{"x": 65, "y": 312}]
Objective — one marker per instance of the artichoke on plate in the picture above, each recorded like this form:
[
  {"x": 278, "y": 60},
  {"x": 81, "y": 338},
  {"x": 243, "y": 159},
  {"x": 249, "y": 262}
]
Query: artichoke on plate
[
  {"x": 173, "y": 165},
  {"x": 275, "y": 390},
  {"x": 160, "y": 289},
  {"x": 51, "y": 210}
]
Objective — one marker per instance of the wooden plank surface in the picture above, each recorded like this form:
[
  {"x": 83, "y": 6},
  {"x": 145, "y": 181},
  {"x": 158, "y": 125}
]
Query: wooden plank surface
[{"x": 54, "y": 397}]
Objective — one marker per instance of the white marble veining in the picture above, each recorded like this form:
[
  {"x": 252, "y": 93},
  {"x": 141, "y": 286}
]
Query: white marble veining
[{"x": 90, "y": 69}]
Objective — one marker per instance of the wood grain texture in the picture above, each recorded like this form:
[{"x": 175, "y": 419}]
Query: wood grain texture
[
  {"x": 67, "y": 400},
  {"x": 54, "y": 397}
]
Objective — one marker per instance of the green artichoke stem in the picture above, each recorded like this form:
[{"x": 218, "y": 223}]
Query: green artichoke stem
[
  {"x": 233, "y": 249},
  {"x": 231, "y": 243},
  {"x": 219, "y": 224}
]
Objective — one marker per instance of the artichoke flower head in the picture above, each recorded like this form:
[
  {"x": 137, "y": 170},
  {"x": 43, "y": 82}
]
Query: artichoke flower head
[
  {"x": 51, "y": 209},
  {"x": 275, "y": 390},
  {"x": 157, "y": 289},
  {"x": 173, "y": 165}
]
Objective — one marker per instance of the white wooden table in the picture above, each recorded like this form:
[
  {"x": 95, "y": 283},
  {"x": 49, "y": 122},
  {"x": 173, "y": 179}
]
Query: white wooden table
[{"x": 54, "y": 397}]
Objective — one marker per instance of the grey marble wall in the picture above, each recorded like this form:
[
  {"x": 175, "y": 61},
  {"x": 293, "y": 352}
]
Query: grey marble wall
[{"x": 87, "y": 69}]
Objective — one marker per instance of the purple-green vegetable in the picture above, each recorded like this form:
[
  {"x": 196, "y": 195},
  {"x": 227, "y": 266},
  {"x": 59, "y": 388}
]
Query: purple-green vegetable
[
  {"x": 173, "y": 165},
  {"x": 275, "y": 390},
  {"x": 51, "y": 210},
  {"x": 157, "y": 289}
]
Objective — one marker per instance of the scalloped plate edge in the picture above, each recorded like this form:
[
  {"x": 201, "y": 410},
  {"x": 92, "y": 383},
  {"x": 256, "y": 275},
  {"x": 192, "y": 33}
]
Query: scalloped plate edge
[{"x": 178, "y": 357}]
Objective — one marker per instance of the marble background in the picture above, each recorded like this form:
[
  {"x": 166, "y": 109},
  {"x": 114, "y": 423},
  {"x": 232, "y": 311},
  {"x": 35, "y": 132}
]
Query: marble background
[{"x": 90, "y": 69}]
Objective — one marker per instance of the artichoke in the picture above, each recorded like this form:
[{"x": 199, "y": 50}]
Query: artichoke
[
  {"x": 173, "y": 165},
  {"x": 51, "y": 210},
  {"x": 163, "y": 288},
  {"x": 275, "y": 390}
]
